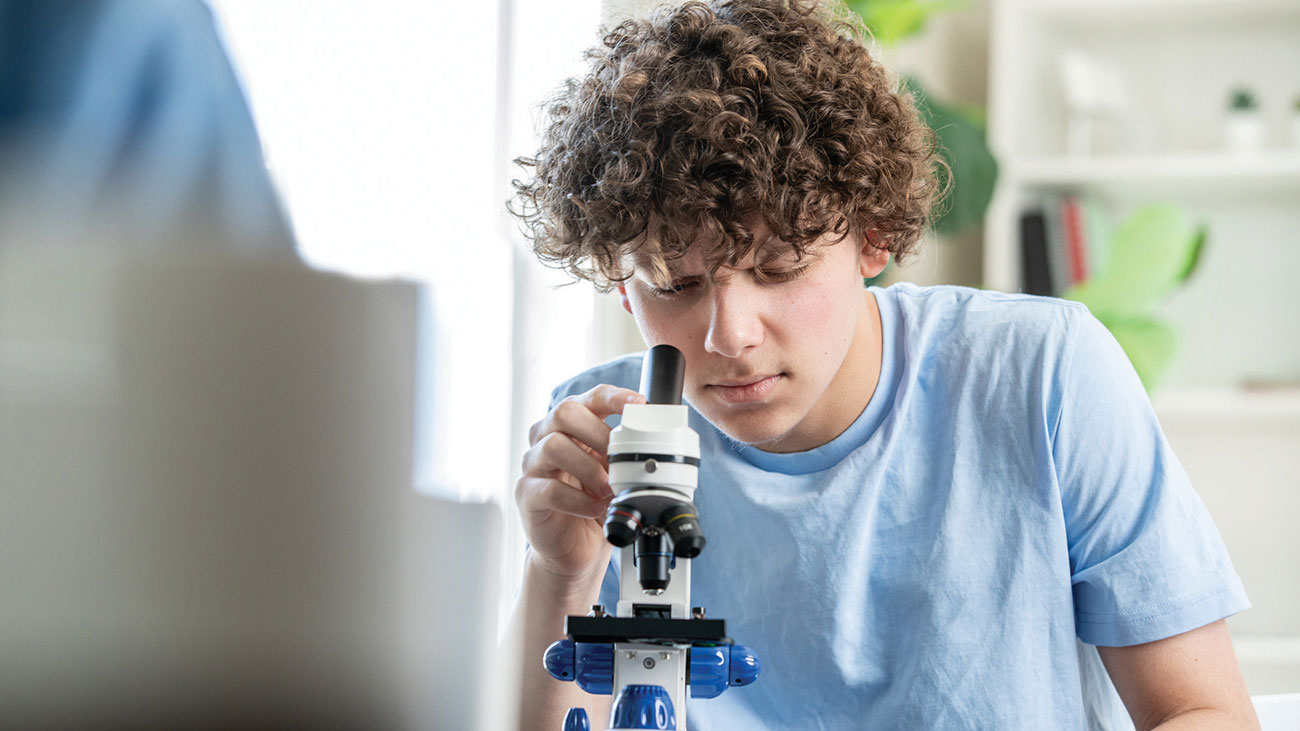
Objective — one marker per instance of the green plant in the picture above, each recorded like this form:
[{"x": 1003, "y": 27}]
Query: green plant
[
  {"x": 961, "y": 131},
  {"x": 891, "y": 21},
  {"x": 1295, "y": 104},
  {"x": 1153, "y": 253},
  {"x": 963, "y": 145},
  {"x": 1242, "y": 99}
]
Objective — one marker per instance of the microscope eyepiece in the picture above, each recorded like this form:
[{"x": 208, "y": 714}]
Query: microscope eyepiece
[{"x": 663, "y": 371}]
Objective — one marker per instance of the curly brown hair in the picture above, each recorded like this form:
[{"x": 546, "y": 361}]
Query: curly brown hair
[{"x": 708, "y": 117}]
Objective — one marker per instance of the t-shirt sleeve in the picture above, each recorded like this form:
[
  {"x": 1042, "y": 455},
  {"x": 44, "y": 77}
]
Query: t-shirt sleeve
[
  {"x": 1146, "y": 560},
  {"x": 609, "y": 585}
]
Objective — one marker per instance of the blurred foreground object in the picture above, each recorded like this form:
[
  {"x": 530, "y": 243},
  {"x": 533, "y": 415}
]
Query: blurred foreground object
[
  {"x": 207, "y": 513},
  {"x": 207, "y": 517},
  {"x": 122, "y": 124}
]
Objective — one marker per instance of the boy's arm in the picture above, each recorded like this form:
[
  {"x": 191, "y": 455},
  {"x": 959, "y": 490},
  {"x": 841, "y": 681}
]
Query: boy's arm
[
  {"x": 1188, "y": 681},
  {"x": 1145, "y": 558},
  {"x": 562, "y": 496},
  {"x": 537, "y": 621}
]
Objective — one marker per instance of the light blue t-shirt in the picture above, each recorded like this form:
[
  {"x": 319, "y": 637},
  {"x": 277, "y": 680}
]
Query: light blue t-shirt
[{"x": 1006, "y": 491}]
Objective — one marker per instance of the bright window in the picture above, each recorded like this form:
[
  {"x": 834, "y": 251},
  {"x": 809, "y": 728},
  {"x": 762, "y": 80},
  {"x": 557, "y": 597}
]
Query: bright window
[
  {"x": 390, "y": 130},
  {"x": 379, "y": 123}
]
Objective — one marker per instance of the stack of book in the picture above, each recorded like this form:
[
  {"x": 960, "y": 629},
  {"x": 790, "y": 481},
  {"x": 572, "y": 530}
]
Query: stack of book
[{"x": 1064, "y": 240}]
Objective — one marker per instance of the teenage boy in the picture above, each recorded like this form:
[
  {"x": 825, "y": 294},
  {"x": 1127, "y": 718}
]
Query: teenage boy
[{"x": 927, "y": 508}]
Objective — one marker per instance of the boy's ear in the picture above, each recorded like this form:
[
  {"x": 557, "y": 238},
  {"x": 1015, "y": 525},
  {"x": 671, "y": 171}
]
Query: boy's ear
[
  {"x": 872, "y": 260},
  {"x": 622, "y": 295}
]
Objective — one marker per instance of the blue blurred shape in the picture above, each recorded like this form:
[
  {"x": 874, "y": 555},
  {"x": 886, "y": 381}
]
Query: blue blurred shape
[{"x": 124, "y": 121}]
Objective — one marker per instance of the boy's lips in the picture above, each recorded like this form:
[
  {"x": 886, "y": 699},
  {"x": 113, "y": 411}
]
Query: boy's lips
[{"x": 746, "y": 390}]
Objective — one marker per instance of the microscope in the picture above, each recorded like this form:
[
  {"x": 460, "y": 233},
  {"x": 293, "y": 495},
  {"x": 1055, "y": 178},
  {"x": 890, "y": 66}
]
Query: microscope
[{"x": 655, "y": 646}]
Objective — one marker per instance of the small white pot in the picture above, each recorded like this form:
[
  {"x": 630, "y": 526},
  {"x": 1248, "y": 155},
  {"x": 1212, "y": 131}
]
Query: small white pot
[{"x": 1244, "y": 131}]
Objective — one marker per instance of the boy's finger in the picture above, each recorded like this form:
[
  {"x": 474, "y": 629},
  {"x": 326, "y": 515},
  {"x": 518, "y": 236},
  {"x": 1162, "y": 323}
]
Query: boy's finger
[
  {"x": 605, "y": 400},
  {"x": 582, "y": 416},
  {"x": 558, "y": 452},
  {"x": 574, "y": 418},
  {"x": 541, "y": 495}
]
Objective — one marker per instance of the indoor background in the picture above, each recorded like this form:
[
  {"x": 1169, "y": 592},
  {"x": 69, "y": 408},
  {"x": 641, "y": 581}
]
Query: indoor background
[{"x": 1140, "y": 156}]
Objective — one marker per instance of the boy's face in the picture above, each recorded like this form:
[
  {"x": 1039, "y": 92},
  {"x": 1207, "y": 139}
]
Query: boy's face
[{"x": 780, "y": 353}]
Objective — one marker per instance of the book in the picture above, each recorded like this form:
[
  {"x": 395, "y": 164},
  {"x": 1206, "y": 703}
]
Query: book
[
  {"x": 1035, "y": 270},
  {"x": 1076, "y": 247}
]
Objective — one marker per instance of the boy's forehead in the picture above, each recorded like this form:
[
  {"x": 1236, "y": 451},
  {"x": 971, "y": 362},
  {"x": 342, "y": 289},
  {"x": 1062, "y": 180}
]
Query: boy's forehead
[{"x": 699, "y": 257}]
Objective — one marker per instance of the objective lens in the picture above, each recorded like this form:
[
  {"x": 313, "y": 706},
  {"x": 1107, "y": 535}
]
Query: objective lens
[
  {"x": 683, "y": 526},
  {"x": 621, "y": 525},
  {"x": 653, "y": 560}
]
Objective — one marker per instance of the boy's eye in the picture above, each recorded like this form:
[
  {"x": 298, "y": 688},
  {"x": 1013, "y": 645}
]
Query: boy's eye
[
  {"x": 787, "y": 275},
  {"x": 676, "y": 289}
]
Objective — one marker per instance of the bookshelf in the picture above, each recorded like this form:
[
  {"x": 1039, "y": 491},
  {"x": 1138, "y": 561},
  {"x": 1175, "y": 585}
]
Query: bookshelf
[
  {"x": 1179, "y": 58},
  {"x": 1230, "y": 404}
]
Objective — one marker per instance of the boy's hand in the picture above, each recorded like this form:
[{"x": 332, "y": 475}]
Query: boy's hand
[{"x": 564, "y": 490}]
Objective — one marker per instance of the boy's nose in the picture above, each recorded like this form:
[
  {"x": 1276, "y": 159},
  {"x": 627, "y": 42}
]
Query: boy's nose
[{"x": 734, "y": 322}]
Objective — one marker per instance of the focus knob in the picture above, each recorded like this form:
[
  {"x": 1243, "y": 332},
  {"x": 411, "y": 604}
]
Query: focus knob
[{"x": 576, "y": 720}]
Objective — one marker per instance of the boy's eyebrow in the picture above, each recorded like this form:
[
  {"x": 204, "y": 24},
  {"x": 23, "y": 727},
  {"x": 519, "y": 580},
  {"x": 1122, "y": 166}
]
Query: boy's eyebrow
[
  {"x": 776, "y": 251},
  {"x": 771, "y": 251}
]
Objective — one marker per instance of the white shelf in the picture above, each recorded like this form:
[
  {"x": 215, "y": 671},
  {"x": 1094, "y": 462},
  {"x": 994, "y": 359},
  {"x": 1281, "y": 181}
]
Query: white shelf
[
  {"x": 1271, "y": 664},
  {"x": 1267, "y": 407},
  {"x": 1260, "y": 648},
  {"x": 1276, "y": 171},
  {"x": 1128, "y": 15}
]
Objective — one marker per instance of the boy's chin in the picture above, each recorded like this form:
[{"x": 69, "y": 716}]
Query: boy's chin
[{"x": 753, "y": 430}]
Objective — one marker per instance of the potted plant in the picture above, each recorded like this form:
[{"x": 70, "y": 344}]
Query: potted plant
[
  {"x": 1243, "y": 123},
  {"x": 1149, "y": 257}
]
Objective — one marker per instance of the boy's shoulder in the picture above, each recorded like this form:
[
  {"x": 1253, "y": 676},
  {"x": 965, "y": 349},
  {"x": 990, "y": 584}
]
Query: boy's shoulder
[
  {"x": 941, "y": 299},
  {"x": 971, "y": 338},
  {"x": 951, "y": 315}
]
